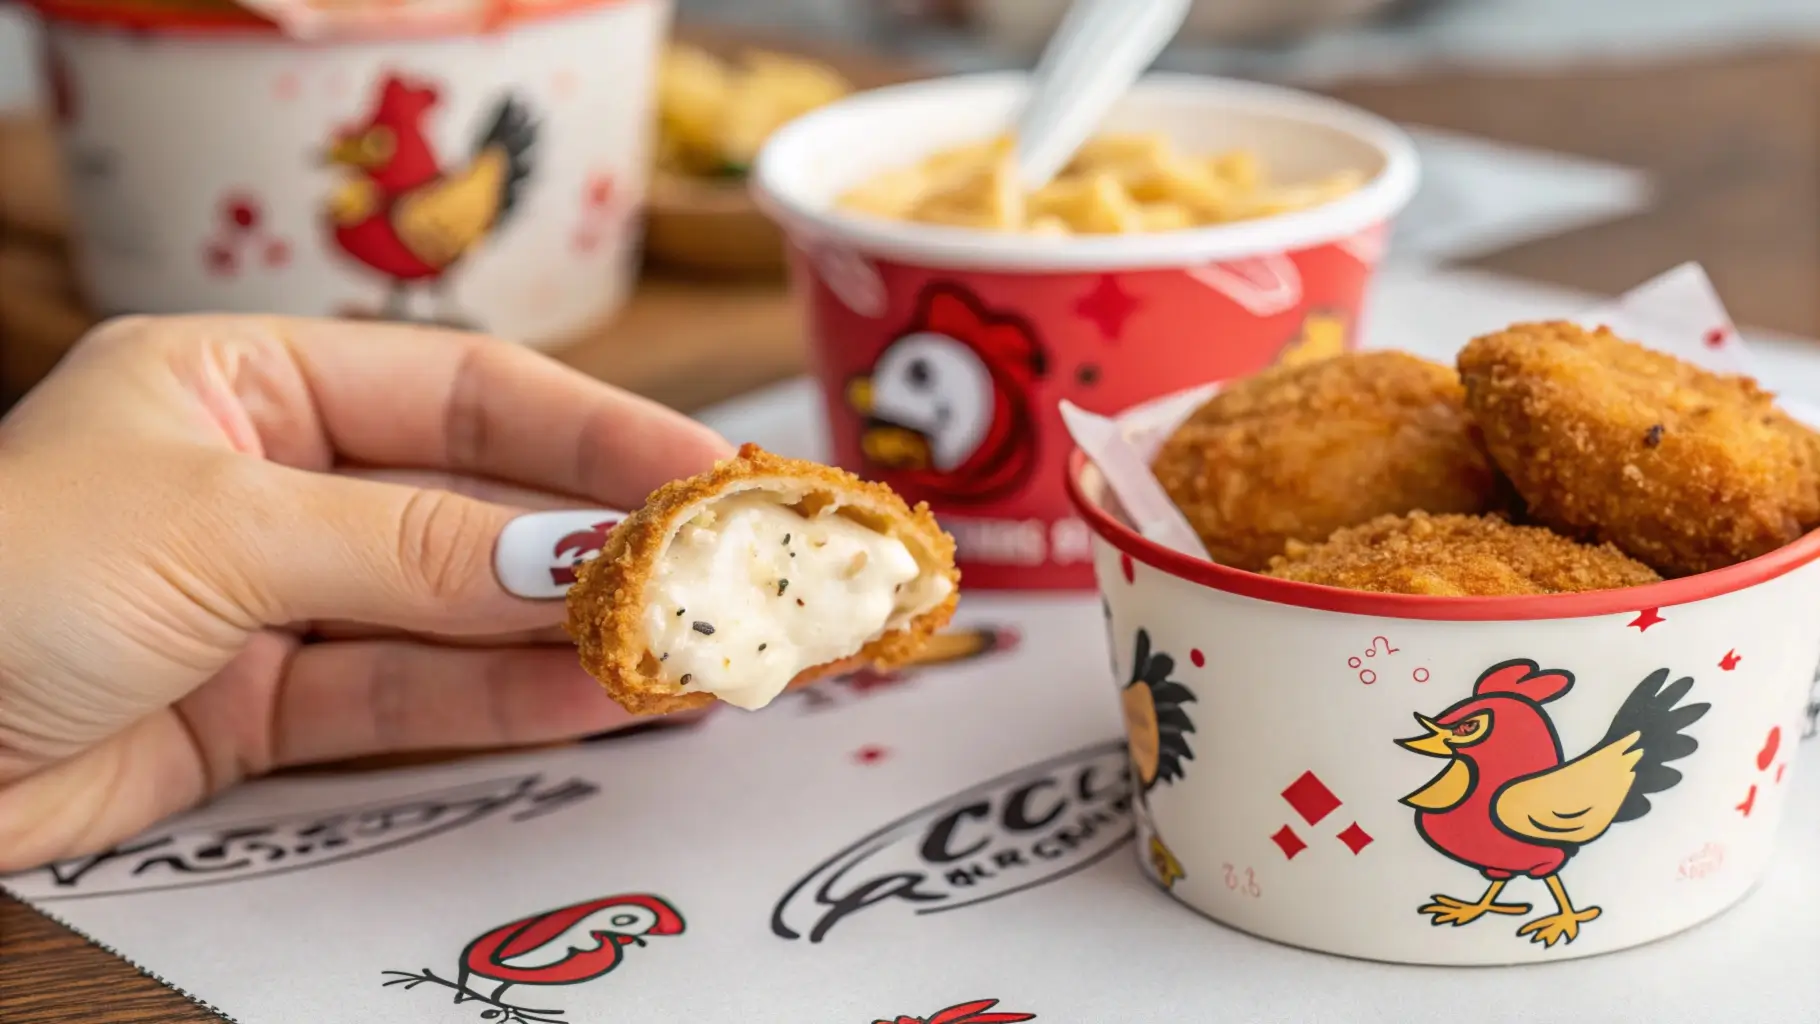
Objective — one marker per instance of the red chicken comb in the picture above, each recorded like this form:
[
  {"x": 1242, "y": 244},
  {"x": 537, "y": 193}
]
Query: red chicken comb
[
  {"x": 400, "y": 97},
  {"x": 1005, "y": 342},
  {"x": 1525, "y": 679}
]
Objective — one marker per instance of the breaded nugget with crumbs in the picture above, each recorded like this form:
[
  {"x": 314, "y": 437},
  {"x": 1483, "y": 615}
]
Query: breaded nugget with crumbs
[
  {"x": 760, "y": 574},
  {"x": 1297, "y": 452},
  {"x": 1684, "y": 469},
  {"x": 1457, "y": 556}
]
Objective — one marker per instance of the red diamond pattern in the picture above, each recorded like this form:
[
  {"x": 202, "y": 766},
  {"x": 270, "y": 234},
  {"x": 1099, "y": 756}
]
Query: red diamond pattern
[
  {"x": 1311, "y": 798},
  {"x": 1355, "y": 838},
  {"x": 1287, "y": 841}
]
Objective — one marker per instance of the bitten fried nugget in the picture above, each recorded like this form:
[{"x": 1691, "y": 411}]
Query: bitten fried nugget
[
  {"x": 761, "y": 574},
  {"x": 1297, "y": 452},
  {"x": 1457, "y": 556},
  {"x": 1683, "y": 469}
]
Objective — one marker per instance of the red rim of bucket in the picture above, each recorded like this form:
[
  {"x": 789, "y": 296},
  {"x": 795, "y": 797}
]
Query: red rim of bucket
[
  {"x": 1226, "y": 579},
  {"x": 174, "y": 20}
]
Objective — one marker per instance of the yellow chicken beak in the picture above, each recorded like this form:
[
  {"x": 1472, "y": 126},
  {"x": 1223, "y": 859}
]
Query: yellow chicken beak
[
  {"x": 345, "y": 152},
  {"x": 369, "y": 149},
  {"x": 895, "y": 447},
  {"x": 859, "y": 395},
  {"x": 1434, "y": 744}
]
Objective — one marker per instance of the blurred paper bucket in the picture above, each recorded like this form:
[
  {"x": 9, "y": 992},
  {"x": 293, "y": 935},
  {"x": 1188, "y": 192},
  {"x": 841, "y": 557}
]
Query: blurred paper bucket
[
  {"x": 955, "y": 346},
  {"x": 477, "y": 165}
]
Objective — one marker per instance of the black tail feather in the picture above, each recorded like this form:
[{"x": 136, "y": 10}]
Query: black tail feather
[
  {"x": 513, "y": 130},
  {"x": 1652, "y": 713}
]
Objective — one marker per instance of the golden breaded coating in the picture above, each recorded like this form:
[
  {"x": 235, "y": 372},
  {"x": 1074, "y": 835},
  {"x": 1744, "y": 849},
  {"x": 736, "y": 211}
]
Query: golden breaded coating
[
  {"x": 607, "y": 604},
  {"x": 1298, "y": 452},
  {"x": 1457, "y": 556},
  {"x": 1684, "y": 469}
]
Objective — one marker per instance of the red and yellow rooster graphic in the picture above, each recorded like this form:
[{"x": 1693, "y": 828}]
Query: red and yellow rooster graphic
[
  {"x": 946, "y": 406},
  {"x": 1507, "y": 805},
  {"x": 400, "y": 212}
]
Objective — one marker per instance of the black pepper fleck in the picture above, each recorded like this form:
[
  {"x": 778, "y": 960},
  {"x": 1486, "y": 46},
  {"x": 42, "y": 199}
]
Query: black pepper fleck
[
  {"x": 666, "y": 656},
  {"x": 799, "y": 602},
  {"x": 786, "y": 538},
  {"x": 704, "y": 628},
  {"x": 686, "y": 677},
  {"x": 679, "y": 612},
  {"x": 1654, "y": 437},
  {"x": 782, "y": 585},
  {"x": 763, "y": 646}
]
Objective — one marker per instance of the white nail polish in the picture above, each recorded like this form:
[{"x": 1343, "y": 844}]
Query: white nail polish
[{"x": 537, "y": 553}]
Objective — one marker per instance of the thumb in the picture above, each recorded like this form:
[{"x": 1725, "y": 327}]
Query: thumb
[{"x": 410, "y": 558}]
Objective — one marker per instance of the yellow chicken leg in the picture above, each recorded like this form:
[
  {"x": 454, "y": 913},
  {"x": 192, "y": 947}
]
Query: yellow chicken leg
[
  {"x": 1563, "y": 925},
  {"x": 1448, "y": 910}
]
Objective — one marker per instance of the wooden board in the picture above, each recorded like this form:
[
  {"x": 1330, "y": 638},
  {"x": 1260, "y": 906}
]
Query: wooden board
[{"x": 1732, "y": 147}]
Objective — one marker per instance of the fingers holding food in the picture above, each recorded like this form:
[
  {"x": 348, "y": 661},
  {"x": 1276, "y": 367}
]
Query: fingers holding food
[
  {"x": 1684, "y": 469},
  {"x": 1457, "y": 556},
  {"x": 1298, "y": 452},
  {"x": 761, "y": 574}
]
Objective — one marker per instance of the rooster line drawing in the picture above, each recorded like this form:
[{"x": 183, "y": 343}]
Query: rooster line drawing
[
  {"x": 1509, "y": 804},
  {"x": 404, "y": 214}
]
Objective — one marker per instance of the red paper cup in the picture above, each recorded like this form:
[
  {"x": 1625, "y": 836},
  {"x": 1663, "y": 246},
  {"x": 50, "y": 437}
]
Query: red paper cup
[{"x": 943, "y": 352}]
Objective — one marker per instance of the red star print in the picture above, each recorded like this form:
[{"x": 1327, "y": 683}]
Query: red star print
[
  {"x": 1730, "y": 661},
  {"x": 870, "y": 754},
  {"x": 1645, "y": 619},
  {"x": 1715, "y": 337},
  {"x": 1107, "y": 306},
  {"x": 600, "y": 191},
  {"x": 1749, "y": 802}
]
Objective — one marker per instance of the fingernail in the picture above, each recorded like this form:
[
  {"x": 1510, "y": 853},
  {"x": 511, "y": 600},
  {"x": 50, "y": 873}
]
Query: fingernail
[{"x": 537, "y": 553}]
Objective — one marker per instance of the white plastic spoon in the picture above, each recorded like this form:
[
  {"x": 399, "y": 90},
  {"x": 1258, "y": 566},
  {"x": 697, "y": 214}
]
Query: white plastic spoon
[{"x": 1098, "y": 51}]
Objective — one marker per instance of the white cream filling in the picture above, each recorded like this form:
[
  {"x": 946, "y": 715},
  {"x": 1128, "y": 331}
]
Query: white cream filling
[{"x": 749, "y": 593}]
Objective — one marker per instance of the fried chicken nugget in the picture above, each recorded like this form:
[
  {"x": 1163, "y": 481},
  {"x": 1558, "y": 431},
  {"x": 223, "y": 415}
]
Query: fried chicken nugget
[
  {"x": 1684, "y": 469},
  {"x": 1297, "y": 452},
  {"x": 1457, "y": 556},
  {"x": 758, "y": 575}
]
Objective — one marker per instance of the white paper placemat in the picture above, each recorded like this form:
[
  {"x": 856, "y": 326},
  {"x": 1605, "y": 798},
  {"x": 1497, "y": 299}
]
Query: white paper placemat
[
  {"x": 904, "y": 849},
  {"x": 882, "y": 850}
]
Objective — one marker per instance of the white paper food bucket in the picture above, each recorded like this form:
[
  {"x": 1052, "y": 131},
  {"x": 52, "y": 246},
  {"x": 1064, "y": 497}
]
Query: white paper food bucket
[
  {"x": 1274, "y": 796},
  {"x": 501, "y": 191}
]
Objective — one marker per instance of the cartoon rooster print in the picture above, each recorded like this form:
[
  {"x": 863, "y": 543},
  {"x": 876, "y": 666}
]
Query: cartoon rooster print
[
  {"x": 402, "y": 213},
  {"x": 1508, "y": 804},
  {"x": 946, "y": 406},
  {"x": 1157, "y": 726},
  {"x": 565, "y": 946}
]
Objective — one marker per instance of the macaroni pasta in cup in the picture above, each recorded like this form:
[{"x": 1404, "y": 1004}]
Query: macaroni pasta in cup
[{"x": 1214, "y": 228}]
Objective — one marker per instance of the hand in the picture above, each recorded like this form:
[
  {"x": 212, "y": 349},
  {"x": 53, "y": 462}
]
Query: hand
[{"x": 232, "y": 544}]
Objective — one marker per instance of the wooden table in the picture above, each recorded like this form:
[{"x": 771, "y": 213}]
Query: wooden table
[{"x": 1733, "y": 143}]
